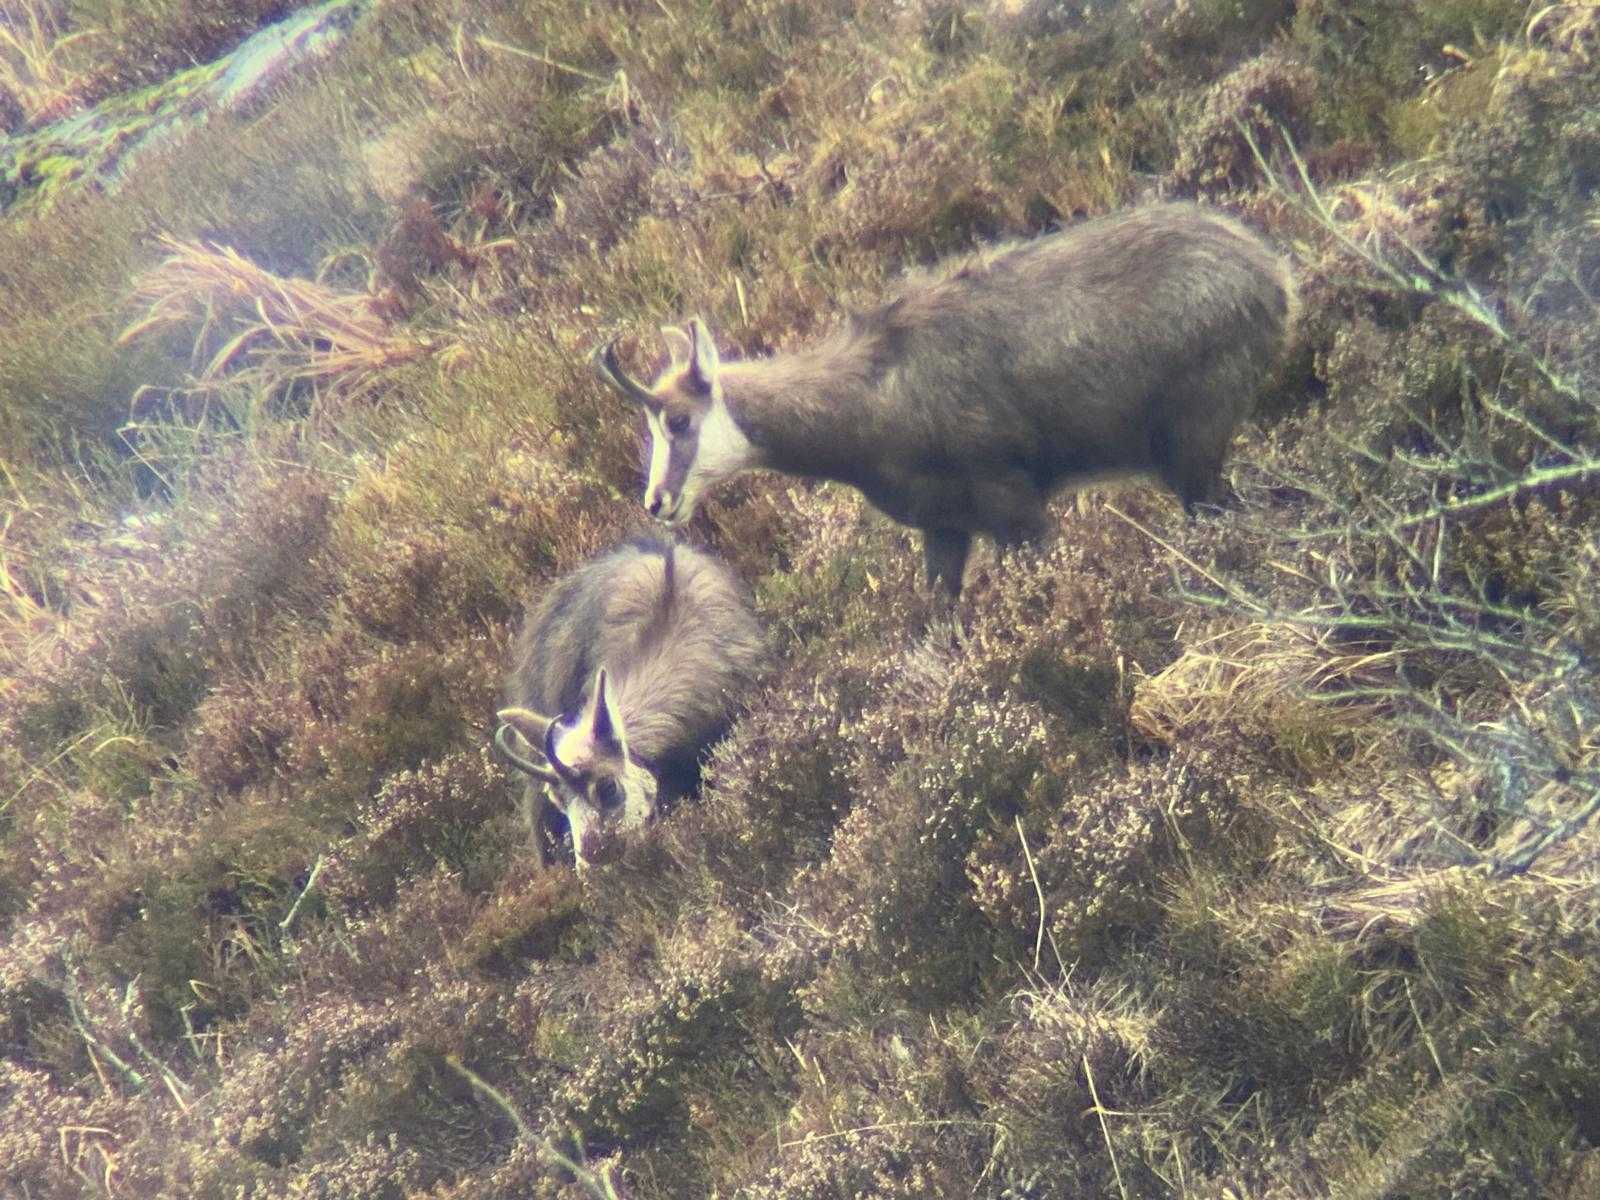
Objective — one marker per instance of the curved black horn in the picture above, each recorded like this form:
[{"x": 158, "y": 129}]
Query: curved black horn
[
  {"x": 604, "y": 360},
  {"x": 503, "y": 745}
]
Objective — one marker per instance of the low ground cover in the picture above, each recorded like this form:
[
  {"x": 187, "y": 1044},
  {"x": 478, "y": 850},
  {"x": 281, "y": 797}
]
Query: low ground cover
[{"x": 1246, "y": 856}]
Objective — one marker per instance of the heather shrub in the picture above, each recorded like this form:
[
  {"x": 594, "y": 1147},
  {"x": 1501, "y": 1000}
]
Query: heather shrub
[
  {"x": 319, "y": 1048},
  {"x": 419, "y": 548},
  {"x": 541, "y": 119},
  {"x": 774, "y": 791},
  {"x": 1242, "y": 854},
  {"x": 386, "y": 951},
  {"x": 852, "y": 579},
  {"x": 419, "y": 1118},
  {"x": 1195, "y": 33},
  {"x": 911, "y": 927},
  {"x": 403, "y": 706},
  {"x": 50, "y": 1155},
  {"x": 1096, "y": 861},
  {"x": 241, "y": 728},
  {"x": 1068, "y": 1053},
  {"x": 643, "y": 1074},
  {"x": 868, "y": 1132},
  {"x": 211, "y": 912},
  {"x": 531, "y": 915},
  {"x": 1264, "y": 96},
  {"x": 420, "y": 819}
]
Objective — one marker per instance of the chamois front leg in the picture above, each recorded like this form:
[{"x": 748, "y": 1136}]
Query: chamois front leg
[
  {"x": 945, "y": 552},
  {"x": 533, "y": 805}
]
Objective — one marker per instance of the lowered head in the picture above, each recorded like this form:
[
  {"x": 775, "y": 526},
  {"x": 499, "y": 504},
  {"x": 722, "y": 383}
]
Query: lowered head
[
  {"x": 582, "y": 758},
  {"x": 694, "y": 439}
]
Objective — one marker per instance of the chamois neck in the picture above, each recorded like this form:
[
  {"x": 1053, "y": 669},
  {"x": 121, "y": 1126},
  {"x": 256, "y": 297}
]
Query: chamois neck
[{"x": 807, "y": 413}]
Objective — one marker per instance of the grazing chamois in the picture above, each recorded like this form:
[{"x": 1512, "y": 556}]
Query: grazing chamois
[
  {"x": 1134, "y": 343},
  {"x": 626, "y": 670}
]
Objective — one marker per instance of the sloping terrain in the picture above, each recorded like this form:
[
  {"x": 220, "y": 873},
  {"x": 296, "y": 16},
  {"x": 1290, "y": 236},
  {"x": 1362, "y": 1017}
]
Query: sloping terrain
[{"x": 1248, "y": 856}]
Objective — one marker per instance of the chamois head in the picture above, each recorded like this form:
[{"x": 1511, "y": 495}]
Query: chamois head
[
  {"x": 583, "y": 760},
  {"x": 694, "y": 441}
]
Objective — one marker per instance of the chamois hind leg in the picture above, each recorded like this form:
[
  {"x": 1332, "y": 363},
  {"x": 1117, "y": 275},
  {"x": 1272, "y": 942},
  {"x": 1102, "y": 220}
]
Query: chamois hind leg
[
  {"x": 1190, "y": 443},
  {"x": 945, "y": 553},
  {"x": 1193, "y": 472}
]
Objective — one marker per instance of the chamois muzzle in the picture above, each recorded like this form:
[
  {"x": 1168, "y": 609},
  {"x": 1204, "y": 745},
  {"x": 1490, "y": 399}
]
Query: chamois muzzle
[{"x": 604, "y": 360}]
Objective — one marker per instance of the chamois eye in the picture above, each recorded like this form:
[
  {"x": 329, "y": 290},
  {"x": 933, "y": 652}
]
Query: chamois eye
[
  {"x": 678, "y": 424},
  {"x": 608, "y": 793}
]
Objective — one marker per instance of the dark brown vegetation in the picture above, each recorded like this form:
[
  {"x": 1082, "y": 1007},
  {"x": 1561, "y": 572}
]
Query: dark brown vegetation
[{"x": 1251, "y": 856}]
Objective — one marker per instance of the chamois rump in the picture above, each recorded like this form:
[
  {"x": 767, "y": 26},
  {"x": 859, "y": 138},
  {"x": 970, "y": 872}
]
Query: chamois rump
[
  {"x": 622, "y": 675},
  {"x": 1135, "y": 343}
]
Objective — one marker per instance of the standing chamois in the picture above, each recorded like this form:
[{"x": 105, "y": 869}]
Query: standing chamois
[
  {"x": 622, "y": 675},
  {"x": 1134, "y": 343}
]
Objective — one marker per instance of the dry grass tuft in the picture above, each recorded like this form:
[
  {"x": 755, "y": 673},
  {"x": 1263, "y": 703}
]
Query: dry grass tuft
[
  {"x": 276, "y": 333},
  {"x": 33, "y": 63},
  {"x": 29, "y": 629},
  {"x": 1571, "y": 28},
  {"x": 1254, "y": 676}
]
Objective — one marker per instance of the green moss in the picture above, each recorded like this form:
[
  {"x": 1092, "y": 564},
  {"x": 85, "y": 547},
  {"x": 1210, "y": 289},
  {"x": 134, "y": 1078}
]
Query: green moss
[
  {"x": 1379, "y": 59},
  {"x": 1466, "y": 945},
  {"x": 1196, "y": 33},
  {"x": 124, "y": 765},
  {"x": 156, "y": 668},
  {"x": 1084, "y": 692},
  {"x": 1285, "y": 1028},
  {"x": 1308, "y": 744},
  {"x": 1416, "y": 124}
]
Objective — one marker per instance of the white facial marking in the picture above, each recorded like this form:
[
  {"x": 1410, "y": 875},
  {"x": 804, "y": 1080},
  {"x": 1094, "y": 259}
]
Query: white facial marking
[
  {"x": 593, "y": 825},
  {"x": 574, "y": 747},
  {"x": 660, "y": 452},
  {"x": 581, "y": 820},
  {"x": 722, "y": 450}
]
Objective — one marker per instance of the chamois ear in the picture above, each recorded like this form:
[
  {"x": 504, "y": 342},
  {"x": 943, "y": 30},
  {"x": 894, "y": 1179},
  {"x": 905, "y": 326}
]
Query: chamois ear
[
  {"x": 530, "y": 728},
  {"x": 679, "y": 344},
  {"x": 605, "y": 725},
  {"x": 703, "y": 360}
]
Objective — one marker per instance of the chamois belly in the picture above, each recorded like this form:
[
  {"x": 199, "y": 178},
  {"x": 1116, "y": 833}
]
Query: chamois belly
[{"x": 945, "y": 496}]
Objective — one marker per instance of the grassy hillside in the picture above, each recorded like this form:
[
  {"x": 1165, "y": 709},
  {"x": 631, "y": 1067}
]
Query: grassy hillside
[{"x": 1251, "y": 856}]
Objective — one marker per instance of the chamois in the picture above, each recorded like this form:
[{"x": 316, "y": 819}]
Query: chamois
[
  {"x": 1130, "y": 344},
  {"x": 622, "y": 675}
]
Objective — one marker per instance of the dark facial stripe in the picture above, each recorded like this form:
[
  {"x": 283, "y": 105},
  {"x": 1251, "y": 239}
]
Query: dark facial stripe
[{"x": 681, "y": 453}]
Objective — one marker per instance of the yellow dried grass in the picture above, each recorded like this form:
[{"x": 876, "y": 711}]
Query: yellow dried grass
[
  {"x": 276, "y": 331},
  {"x": 1391, "y": 897},
  {"x": 32, "y": 38},
  {"x": 1399, "y": 905},
  {"x": 1255, "y": 674},
  {"x": 1571, "y": 28},
  {"x": 28, "y": 629}
]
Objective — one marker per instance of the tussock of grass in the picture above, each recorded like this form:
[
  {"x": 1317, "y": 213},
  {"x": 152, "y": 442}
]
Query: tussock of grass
[
  {"x": 276, "y": 333},
  {"x": 1259, "y": 677},
  {"x": 1251, "y": 854},
  {"x": 34, "y": 77}
]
